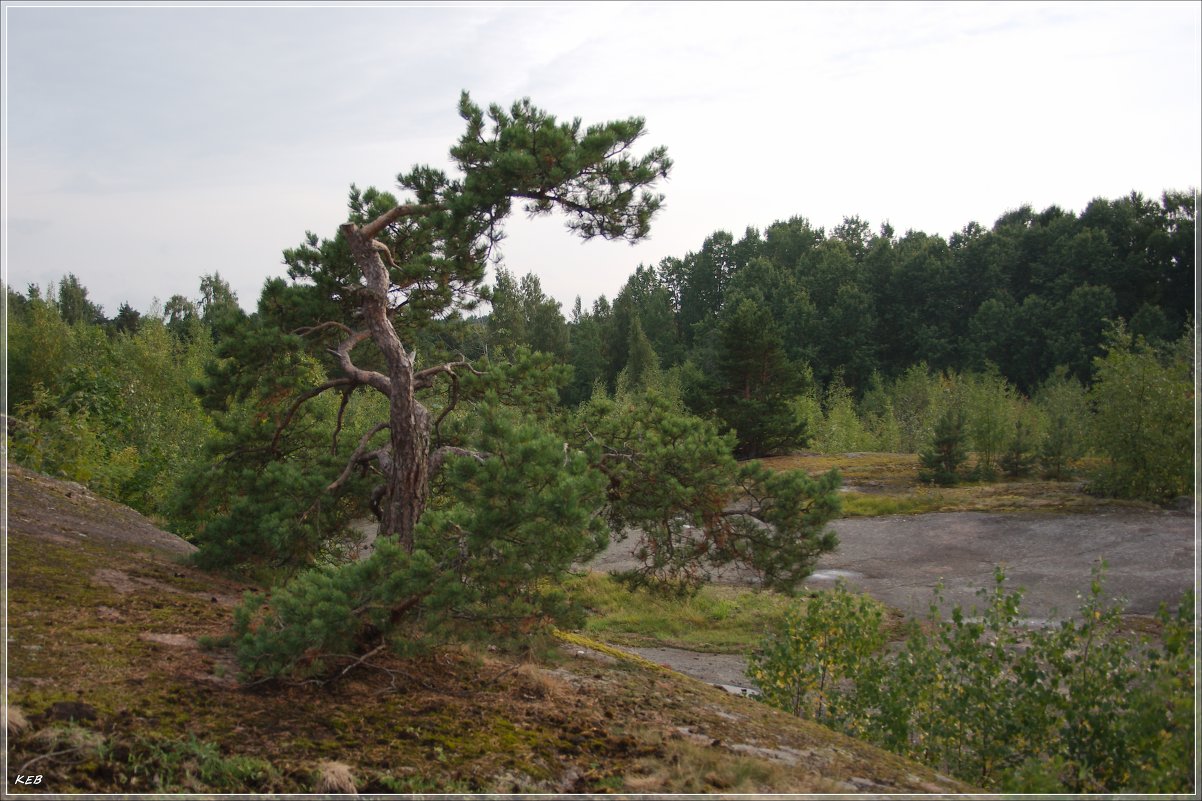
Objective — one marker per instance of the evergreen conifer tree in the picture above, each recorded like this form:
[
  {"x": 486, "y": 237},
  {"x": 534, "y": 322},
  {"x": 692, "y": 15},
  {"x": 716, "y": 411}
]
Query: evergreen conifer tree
[
  {"x": 754, "y": 383},
  {"x": 338, "y": 345},
  {"x": 1019, "y": 459},
  {"x": 946, "y": 452}
]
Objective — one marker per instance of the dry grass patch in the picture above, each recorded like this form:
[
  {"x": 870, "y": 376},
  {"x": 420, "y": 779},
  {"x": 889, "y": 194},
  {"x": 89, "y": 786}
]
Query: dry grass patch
[
  {"x": 878, "y": 484},
  {"x": 336, "y": 778}
]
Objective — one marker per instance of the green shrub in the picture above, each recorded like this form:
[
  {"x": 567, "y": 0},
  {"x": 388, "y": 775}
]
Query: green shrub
[
  {"x": 1076, "y": 708},
  {"x": 1062, "y": 404},
  {"x": 1144, "y": 418},
  {"x": 820, "y": 646}
]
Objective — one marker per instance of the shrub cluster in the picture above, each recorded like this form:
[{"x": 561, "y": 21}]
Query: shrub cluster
[{"x": 1079, "y": 707}]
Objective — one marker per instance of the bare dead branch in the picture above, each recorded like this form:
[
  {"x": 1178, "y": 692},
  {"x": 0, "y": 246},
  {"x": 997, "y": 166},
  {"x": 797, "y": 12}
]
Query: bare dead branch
[
  {"x": 361, "y": 660},
  {"x": 346, "y": 398},
  {"x": 357, "y": 457},
  {"x": 440, "y": 455},
  {"x": 23, "y": 768},
  {"x": 306, "y": 396}
]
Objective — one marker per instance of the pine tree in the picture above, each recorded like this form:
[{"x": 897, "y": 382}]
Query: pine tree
[
  {"x": 1064, "y": 405},
  {"x": 753, "y": 382},
  {"x": 642, "y": 363},
  {"x": 333, "y": 356},
  {"x": 1018, "y": 459},
  {"x": 946, "y": 452},
  {"x": 673, "y": 478}
]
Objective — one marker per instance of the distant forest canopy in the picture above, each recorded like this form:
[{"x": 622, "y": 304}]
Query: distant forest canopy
[
  {"x": 1032, "y": 293},
  {"x": 739, "y": 330}
]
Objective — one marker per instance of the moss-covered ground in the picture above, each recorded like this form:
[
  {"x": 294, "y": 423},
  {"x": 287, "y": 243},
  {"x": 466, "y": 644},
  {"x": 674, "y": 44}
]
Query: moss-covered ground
[{"x": 106, "y": 672}]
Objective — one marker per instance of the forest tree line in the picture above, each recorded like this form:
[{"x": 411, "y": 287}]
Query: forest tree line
[
  {"x": 790, "y": 337},
  {"x": 858, "y": 341}
]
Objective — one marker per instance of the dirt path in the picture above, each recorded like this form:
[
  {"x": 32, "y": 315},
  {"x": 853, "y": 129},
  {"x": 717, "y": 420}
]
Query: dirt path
[{"x": 899, "y": 559}]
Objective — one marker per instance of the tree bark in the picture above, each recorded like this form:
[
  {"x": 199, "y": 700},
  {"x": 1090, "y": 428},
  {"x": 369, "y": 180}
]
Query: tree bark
[{"x": 408, "y": 478}]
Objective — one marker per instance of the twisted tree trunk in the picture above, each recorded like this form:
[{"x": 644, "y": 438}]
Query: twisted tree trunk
[{"x": 409, "y": 422}]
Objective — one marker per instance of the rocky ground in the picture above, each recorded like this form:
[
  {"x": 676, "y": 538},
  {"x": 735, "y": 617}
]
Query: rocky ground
[
  {"x": 111, "y": 688},
  {"x": 899, "y": 559}
]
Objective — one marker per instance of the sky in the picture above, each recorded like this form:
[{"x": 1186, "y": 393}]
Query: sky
[{"x": 146, "y": 146}]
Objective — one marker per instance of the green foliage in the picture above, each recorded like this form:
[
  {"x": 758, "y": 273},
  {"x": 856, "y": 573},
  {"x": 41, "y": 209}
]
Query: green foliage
[
  {"x": 508, "y": 321},
  {"x": 512, "y": 525},
  {"x": 57, "y": 441},
  {"x": 73, "y": 303},
  {"x": 533, "y": 156},
  {"x": 107, "y": 408},
  {"x": 1075, "y": 708},
  {"x": 916, "y": 398},
  {"x": 668, "y": 474},
  {"x": 586, "y": 356},
  {"x": 755, "y": 381},
  {"x": 841, "y": 429},
  {"x": 1063, "y": 405},
  {"x": 783, "y": 532},
  {"x": 1018, "y": 460},
  {"x": 990, "y": 409},
  {"x": 816, "y": 648},
  {"x": 486, "y": 564},
  {"x": 255, "y": 500},
  {"x": 674, "y": 479},
  {"x": 945, "y": 454},
  {"x": 642, "y": 363},
  {"x": 1144, "y": 418},
  {"x": 322, "y": 616},
  {"x": 41, "y": 347},
  {"x": 1031, "y": 293}
]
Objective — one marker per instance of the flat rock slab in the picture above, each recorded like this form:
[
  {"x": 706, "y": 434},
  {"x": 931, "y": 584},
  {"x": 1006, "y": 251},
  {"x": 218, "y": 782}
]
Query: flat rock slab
[
  {"x": 726, "y": 670},
  {"x": 899, "y": 559}
]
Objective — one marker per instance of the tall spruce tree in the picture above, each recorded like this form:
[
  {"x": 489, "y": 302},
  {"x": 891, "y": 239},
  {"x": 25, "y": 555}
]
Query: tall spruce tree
[
  {"x": 754, "y": 381},
  {"x": 642, "y": 362}
]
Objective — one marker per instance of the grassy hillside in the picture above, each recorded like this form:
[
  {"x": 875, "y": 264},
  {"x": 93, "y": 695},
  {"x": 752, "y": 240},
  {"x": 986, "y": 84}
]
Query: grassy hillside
[{"x": 109, "y": 690}]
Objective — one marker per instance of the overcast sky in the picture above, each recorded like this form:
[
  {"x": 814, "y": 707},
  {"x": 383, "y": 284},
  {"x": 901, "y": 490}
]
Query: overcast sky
[{"x": 146, "y": 146}]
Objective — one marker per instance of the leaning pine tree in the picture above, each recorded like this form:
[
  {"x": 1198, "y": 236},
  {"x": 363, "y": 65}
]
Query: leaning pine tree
[{"x": 478, "y": 514}]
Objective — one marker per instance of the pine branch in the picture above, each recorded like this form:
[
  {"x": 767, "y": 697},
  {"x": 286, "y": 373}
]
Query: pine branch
[
  {"x": 360, "y": 376},
  {"x": 357, "y": 457},
  {"x": 424, "y": 379},
  {"x": 377, "y": 225},
  {"x": 313, "y": 329},
  {"x": 305, "y": 397}
]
